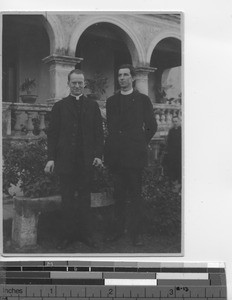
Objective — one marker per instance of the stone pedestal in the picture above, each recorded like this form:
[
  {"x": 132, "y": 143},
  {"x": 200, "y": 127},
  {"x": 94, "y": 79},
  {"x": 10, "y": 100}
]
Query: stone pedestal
[
  {"x": 24, "y": 226},
  {"x": 59, "y": 67},
  {"x": 26, "y": 216},
  {"x": 27, "y": 210},
  {"x": 142, "y": 74}
]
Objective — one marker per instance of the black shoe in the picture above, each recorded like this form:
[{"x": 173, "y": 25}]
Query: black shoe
[{"x": 137, "y": 241}]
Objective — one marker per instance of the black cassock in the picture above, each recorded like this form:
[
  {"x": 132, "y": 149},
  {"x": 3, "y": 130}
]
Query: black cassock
[
  {"x": 131, "y": 125},
  {"x": 75, "y": 138}
]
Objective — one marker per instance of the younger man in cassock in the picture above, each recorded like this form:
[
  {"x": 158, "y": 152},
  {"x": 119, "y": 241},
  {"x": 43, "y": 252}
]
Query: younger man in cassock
[{"x": 131, "y": 125}]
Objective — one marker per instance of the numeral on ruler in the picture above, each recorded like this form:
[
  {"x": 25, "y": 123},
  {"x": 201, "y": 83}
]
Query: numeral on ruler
[{"x": 49, "y": 264}]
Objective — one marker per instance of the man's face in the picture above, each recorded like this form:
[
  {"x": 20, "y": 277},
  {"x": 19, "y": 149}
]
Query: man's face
[
  {"x": 76, "y": 84},
  {"x": 125, "y": 79},
  {"x": 175, "y": 122}
]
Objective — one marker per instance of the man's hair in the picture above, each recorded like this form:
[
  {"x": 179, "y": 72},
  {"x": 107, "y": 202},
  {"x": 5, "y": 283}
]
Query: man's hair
[
  {"x": 75, "y": 71},
  {"x": 130, "y": 67}
]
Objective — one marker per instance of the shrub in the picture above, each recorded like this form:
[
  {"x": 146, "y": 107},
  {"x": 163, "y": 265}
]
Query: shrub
[
  {"x": 23, "y": 164},
  {"x": 162, "y": 205}
]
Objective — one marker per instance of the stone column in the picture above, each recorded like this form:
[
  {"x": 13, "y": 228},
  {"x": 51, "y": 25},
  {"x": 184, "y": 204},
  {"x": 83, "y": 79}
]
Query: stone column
[
  {"x": 59, "y": 67},
  {"x": 42, "y": 126},
  {"x": 6, "y": 119},
  {"x": 30, "y": 125},
  {"x": 142, "y": 78},
  {"x": 17, "y": 127}
]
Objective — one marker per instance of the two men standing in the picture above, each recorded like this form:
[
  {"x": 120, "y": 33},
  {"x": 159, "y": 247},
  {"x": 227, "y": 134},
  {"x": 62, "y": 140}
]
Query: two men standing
[{"x": 75, "y": 145}]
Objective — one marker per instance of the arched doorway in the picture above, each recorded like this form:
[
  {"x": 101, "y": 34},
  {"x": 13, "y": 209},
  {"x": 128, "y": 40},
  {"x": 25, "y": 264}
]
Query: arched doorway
[
  {"x": 166, "y": 81},
  {"x": 104, "y": 47},
  {"x": 25, "y": 44}
]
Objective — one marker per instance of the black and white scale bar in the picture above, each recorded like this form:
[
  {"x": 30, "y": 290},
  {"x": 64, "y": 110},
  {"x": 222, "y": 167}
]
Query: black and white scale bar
[
  {"x": 111, "y": 280},
  {"x": 49, "y": 281},
  {"x": 30, "y": 291},
  {"x": 42, "y": 277},
  {"x": 112, "y": 267}
]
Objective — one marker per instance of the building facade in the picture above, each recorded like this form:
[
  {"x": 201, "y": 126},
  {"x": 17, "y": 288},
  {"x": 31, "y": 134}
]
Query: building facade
[{"x": 47, "y": 46}]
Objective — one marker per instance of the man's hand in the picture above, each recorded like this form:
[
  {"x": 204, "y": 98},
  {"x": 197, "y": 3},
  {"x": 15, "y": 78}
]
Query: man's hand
[
  {"x": 49, "y": 168},
  {"x": 97, "y": 162}
]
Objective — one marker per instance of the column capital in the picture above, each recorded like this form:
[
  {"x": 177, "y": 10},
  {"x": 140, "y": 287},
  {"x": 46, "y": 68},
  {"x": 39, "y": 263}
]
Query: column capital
[
  {"x": 62, "y": 60},
  {"x": 59, "y": 68},
  {"x": 145, "y": 70},
  {"x": 142, "y": 75}
]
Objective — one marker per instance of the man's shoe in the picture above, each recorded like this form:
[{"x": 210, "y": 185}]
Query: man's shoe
[{"x": 137, "y": 241}]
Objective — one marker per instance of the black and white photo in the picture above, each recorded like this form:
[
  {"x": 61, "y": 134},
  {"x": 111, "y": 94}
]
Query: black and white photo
[{"x": 92, "y": 139}]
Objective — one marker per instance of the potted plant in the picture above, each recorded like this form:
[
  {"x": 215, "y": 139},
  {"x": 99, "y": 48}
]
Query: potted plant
[
  {"x": 28, "y": 86},
  {"x": 23, "y": 165},
  {"x": 96, "y": 86}
]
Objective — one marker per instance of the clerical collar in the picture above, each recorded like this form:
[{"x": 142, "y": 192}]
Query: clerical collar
[
  {"x": 77, "y": 97},
  {"x": 127, "y": 92}
]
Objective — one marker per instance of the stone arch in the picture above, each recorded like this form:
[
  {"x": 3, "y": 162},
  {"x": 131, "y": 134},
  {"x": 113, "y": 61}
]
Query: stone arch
[
  {"x": 157, "y": 39},
  {"x": 164, "y": 53},
  {"x": 56, "y": 34},
  {"x": 134, "y": 45}
]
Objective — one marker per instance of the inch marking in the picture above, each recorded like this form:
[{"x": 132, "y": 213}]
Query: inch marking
[
  {"x": 65, "y": 292},
  {"x": 49, "y": 264}
]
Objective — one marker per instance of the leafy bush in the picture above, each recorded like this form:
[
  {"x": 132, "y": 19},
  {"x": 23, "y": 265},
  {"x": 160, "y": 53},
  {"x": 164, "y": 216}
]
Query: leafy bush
[
  {"x": 23, "y": 164},
  {"x": 162, "y": 205}
]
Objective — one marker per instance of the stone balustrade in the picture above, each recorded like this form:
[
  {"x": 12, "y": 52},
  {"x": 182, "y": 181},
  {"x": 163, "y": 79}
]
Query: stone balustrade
[
  {"x": 18, "y": 120},
  {"x": 164, "y": 114}
]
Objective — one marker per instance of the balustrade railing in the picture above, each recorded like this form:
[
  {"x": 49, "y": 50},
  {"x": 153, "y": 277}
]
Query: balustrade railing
[
  {"x": 21, "y": 120},
  {"x": 164, "y": 114},
  {"x": 28, "y": 121}
]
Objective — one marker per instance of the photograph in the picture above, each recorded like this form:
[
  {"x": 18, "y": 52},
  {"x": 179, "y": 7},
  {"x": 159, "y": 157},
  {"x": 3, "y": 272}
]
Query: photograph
[{"x": 92, "y": 143}]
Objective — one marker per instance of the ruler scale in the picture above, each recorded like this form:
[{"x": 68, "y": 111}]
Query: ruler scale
[{"x": 67, "y": 280}]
